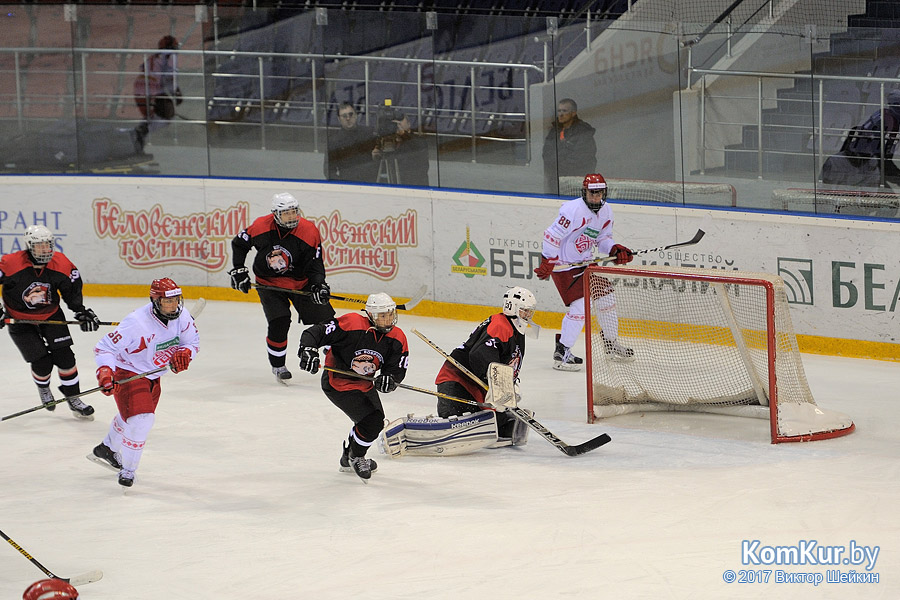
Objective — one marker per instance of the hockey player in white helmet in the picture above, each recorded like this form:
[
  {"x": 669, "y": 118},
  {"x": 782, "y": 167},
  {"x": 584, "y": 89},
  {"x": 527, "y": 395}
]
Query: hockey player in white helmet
[
  {"x": 368, "y": 344},
  {"x": 288, "y": 256},
  {"x": 33, "y": 282},
  {"x": 584, "y": 225}
]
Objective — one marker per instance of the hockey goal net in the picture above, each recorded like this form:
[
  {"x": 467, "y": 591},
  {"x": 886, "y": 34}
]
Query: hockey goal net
[
  {"x": 704, "y": 340},
  {"x": 661, "y": 192}
]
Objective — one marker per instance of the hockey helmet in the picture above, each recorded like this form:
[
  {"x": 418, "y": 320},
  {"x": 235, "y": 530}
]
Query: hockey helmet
[
  {"x": 382, "y": 311},
  {"x": 50, "y": 589},
  {"x": 519, "y": 305},
  {"x": 286, "y": 209},
  {"x": 165, "y": 288},
  {"x": 593, "y": 189},
  {"x": 39, "y": 242}
]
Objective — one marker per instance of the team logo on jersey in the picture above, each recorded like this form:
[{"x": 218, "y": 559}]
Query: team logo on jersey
[
  {"x": 279, "y": 260},
  {"x": 37, "y": 294},
  {"x": 468, "y": 260},
  {"x": 366, "y": 362},
  {"x": 165, "y": 350}
]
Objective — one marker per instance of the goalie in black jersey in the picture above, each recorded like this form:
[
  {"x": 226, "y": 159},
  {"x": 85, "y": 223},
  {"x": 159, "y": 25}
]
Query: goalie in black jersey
[{"x": 369, "y": 345}]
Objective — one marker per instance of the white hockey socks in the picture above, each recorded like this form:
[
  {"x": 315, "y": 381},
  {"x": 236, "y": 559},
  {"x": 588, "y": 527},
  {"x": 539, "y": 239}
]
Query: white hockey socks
[
  {"x": 572, "y": 323},
  {"x": 605, "y": 310},
  {"x": 134, "y": 436}
]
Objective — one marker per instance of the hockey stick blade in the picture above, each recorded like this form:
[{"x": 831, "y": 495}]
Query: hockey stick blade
[
  {"x": 417, "y": 297},
  {"x": 85, "y": 578},
  {"x": 608, "y": 259},
  {"x": 589, "y": 445}
]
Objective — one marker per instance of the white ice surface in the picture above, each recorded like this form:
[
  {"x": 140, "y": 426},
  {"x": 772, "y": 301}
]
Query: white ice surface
[{"x": 238, "y": 494}]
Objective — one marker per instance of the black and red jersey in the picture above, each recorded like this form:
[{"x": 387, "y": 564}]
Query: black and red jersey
[
  {"x": 357, "y": 346},
  {"x": 288, "y": 259},
  {"x": 33, "y": 292},
  {"x": 494, "y": 340}
]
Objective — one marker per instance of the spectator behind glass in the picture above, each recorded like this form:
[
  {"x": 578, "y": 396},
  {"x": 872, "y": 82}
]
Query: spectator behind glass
[
  {"x": 349, "y": 156},
  {"x": 156, "y": 91},
  {"x": 569, "y": 149},
  {"x": 402, "y": 156}
]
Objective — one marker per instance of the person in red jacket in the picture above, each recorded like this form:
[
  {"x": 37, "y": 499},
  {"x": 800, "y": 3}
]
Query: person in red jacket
[
  {"x": 366, "y": 345},
  {"x": 33, "y": 281},
  {"x": 288, "y": 256}
]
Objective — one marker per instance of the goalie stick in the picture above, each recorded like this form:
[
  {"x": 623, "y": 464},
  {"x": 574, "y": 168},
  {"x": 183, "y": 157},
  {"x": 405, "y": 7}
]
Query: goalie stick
[
  {"x": 82, "y": 579},
  {"x": 523, "y": 415},
  {"x": 198, "y": 307},
  {"x": 607, "y": 259},
  {"x": 408, "y": 305}
]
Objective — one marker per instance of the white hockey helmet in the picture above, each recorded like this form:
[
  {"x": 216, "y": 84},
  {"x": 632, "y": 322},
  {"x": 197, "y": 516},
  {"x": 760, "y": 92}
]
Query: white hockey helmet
[
  {"x": 286, "y": 209},
  {"x": 382, "y": 311},
  {"x": 519, "y": 305},
  {"x": 39, "y": 242}
]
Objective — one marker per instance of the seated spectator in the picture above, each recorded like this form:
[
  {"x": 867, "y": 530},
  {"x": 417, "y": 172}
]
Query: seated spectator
[{"x": 349, "y": 156}]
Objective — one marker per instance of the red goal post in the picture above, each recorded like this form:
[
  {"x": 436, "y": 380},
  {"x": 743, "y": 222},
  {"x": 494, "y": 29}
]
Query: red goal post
[{"x": 704, "y": 340}]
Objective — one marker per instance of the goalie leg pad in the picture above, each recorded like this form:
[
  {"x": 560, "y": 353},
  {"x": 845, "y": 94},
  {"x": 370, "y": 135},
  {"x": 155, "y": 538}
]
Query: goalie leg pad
[{"x": 434, "y": 436}]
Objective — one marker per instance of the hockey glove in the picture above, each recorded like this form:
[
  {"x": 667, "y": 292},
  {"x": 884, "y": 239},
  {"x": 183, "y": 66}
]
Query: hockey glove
[
  {"x": 309, "y": 359},
  {"x": 240, "y": 279},
  {"x": 180, "y": 360},
  {"x": 320, "y": 292},
  {"x": 105, "y": 379},
  {"x": 2, "y": 317},
  {"x": 545, "y": 268},
  {"x": 87, "y": 320},
  {"x": 385, "y": 383},
  {"x": 623, "y": 255}
]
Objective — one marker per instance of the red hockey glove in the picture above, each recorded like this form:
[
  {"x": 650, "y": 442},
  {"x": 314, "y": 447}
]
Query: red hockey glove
[
  {"x": 180, "y": 360},
  {"x": 105, "y": 379},
  {"x": 545, "y": 268},
  {"x": 623, "y": 255}
]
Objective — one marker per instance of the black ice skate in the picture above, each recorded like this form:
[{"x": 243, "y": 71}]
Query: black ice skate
[
  {"x": 46, "y": 397},
  {"x": 81, "y": 410},
  {"x": 126, "y": 478},
  {"x": 617, "y": 351},
  {"x": 281, "y": 374},
  {"x": 563, "y": 359},
  {"x": 104, "y": 456},
  {"x": 347, "y": 465}
]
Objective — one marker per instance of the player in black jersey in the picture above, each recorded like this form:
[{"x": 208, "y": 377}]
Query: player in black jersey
[
  {"x": 288, "y": 256},
  {"x": 364, "y": 344},
  {"x": 33, "y": 281}
]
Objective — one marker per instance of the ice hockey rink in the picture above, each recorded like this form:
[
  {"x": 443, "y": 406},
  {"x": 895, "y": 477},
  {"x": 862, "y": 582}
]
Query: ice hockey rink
[{"x": 238, "y": 494}]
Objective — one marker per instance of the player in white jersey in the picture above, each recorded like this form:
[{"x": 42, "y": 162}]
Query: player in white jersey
[
  {"x": 582, "y": 227},
  {"x": 159, "y": 334}
]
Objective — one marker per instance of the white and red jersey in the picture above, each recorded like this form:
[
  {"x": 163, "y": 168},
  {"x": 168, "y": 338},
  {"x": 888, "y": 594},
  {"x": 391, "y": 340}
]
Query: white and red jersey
[
  {"x": 142, "y": 342},
  {"x": 577, "y": 232}
]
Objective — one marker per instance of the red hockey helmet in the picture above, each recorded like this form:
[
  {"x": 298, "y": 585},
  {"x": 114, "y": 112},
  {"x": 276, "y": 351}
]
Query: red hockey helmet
[
  {"x": 165, "y": 288},
  {"x": 50, "y": 589},
  {"x": 593, "y": 189}
]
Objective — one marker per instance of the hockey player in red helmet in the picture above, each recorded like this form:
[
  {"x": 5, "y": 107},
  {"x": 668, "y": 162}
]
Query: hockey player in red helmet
[
  {"x": 583, "y": 227},
  {"x": 159, "y": 333},
  {"x": 50, "y": 589}
]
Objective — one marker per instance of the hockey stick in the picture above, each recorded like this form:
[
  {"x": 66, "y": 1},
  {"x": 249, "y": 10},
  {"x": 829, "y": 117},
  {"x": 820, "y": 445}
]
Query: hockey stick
[
  {"x": 198, "y": 307},
  {"x": 417, "y": 297},
  {"x": 90, "y": 391},
  {"x": 608, "y": 259},
  {"x": 523, "y": 415},
  {"x": 411, "y": 387},
  {"x": 30, "y": 322},
  {"x": 89, "y": 577}
]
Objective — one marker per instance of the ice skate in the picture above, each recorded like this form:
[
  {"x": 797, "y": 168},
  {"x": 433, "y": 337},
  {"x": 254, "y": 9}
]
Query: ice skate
[
  {"x": 46, "y": 397},
  {"x": 617, "y": 351},
  {"x": 281, "y": 374},
  {"x": 104, "y": 456},
  {"x": 362, "y": 467},
  {"x": 81, "y": 410},
  {"x": 346, "y": 465},
  {"x": 563, "y": 359},
  {"x": 126, "y": 478}
]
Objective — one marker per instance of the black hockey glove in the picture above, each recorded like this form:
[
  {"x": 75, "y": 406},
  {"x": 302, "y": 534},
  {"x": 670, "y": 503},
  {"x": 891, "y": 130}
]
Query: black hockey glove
[
  {"x": 87, "y": 320},
  {"x": 240, "y": 279},
  {"x": 385, "y": 383},
  {"x": 320, "y": 292},
  {"x": 3, "y": 317},
  {"x": 309, "y": 359}
]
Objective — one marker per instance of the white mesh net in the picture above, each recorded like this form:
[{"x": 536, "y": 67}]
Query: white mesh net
[
  {"x": 662, "y": 192},
  {"x": 704, "y": 340}
]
